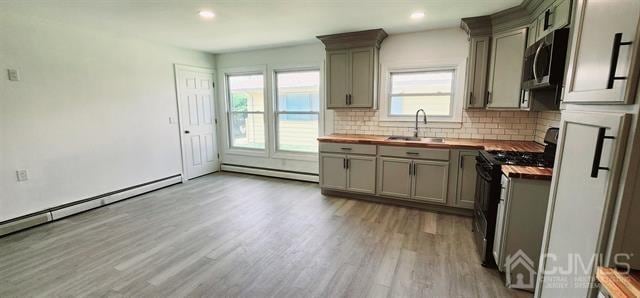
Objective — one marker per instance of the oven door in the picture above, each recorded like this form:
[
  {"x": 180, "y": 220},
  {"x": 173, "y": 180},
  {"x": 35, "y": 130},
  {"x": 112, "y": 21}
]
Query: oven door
[{"x": 484, "y": 182}]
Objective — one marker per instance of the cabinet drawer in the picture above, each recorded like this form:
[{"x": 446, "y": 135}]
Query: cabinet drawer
[
  {"x": 409, "y": 152},
  {"x": 348, "y": 148}
]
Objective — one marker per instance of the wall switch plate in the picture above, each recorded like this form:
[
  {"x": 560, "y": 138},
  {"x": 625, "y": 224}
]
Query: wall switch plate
[
  {"x": 13, "y": 75},
  {"x": 22, "y": 175}
]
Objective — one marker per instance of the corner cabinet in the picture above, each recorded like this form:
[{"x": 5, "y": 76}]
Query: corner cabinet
[
  {"x": 352, "y": 68},
  {"x": 505, "y": 75},
  {"x": 477, "y": 70},
  {"x": 603, "y": 64}
]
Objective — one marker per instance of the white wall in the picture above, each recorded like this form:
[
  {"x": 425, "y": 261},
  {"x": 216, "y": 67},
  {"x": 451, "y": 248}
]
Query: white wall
[{"x": 90, "y": 115}]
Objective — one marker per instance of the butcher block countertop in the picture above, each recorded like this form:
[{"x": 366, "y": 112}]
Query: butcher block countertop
[
  {"x": 618, "y": 283},
  {"x": 449, "y": 143}
]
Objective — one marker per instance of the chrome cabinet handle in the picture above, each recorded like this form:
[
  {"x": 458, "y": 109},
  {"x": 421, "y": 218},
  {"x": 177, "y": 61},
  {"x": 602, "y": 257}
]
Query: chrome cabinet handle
[
  {"x": 615, "y": 53},
  {"x": 595, "y": 167}
]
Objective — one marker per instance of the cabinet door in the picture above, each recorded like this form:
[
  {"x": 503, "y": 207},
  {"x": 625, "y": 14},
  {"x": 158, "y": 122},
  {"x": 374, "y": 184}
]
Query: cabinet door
[
  {"x": 430, "y": 181},
  {"x": 337, "y": 78},
  {"x": 333, "y": 172},
  {"x": 394, "y": 177},
  {"x": 506, "y": 69},
  {"x": 589, "y": 77},
  {"x": 582, "y": 197},
  {"x": 361, "y": 77},
  {"x": 466, "y": 179},
  {"x": 532, "y": 33},
  {"x": 478, "y": 63},
  {"x": 561, "y": 14},
  {"x": 361, "y": 173}
]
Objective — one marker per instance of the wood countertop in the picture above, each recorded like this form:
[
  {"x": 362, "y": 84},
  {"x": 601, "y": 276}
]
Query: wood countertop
[
  {"x": 618, "y": 283},
  {"x": 450, "y": 143}
]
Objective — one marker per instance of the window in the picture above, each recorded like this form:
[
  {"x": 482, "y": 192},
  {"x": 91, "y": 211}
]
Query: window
[
  {"x": 246, "y": 111},
  {"x": 297, "y": 110},
  {"x": 430, "y": 90}
]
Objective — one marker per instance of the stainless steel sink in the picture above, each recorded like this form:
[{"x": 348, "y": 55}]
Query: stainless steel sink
[
  {"x": 433, "y": 140},
  {"x": 403, "y": 138},
  {"x": 427, "y": 140}
]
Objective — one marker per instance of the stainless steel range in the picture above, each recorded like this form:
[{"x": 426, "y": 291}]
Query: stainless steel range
[{"x": 488, "y": 168}]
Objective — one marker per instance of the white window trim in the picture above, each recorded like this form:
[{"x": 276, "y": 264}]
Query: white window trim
[
  {"x": 293, "y": 155},
  {"x": 453, "y": 121},
  {"x": 261, "y": 69}
]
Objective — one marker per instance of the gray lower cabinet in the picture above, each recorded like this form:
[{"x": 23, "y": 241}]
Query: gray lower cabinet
[
  {"x": 333, "y": 172},
  {"x": 430, "y": 181},
  {"x": 421, "y": 180},
  {"x": 395, "y": 177},
  {"x": 350, "y": 172},
  {"x": 361, "y": 173},
  {"x": 466, "y": 179}
]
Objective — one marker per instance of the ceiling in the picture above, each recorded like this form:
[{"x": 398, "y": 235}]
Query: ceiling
[{"x": 249, "y": 24}]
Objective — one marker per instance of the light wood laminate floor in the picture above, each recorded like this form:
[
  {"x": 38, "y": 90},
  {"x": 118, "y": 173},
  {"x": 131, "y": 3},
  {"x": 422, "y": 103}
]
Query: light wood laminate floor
[{"x": 240, "y": 235}]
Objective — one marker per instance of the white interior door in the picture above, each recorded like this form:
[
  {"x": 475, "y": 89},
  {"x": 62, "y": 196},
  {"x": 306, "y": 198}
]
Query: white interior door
[
  {"x": 591, "y": 146},
  {"x": 197, "y": 121}
]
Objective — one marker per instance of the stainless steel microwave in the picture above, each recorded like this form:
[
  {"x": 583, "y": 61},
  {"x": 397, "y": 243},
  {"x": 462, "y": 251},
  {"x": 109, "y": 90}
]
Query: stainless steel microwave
[{"x": 544, "y": 61}]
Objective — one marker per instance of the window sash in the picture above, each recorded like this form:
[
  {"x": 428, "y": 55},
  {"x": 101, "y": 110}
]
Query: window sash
[
  {"x": 278, "y": 111},
  {"x": 450, "y": 94},
  {"x": 277, "y": 128}
]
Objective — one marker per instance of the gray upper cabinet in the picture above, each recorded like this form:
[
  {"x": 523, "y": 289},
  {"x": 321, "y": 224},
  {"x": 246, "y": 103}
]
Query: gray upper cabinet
[
  {"x": 505, "y": 74},
  {"x": 554, "y": 17},
  {"x": 352, "y": 68},
  {"x": 362, "y": 75},
  {"x": 337, "y": 78},
  {"x": 477, "y": 72},
  {"x": 603, "y": 66}
]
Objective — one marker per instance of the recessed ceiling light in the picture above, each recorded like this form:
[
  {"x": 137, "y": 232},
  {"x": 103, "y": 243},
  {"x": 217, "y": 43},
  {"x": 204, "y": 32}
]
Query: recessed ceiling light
[
  {"x": 417, "y": 15},
  {"x": 206, "y": 14}
]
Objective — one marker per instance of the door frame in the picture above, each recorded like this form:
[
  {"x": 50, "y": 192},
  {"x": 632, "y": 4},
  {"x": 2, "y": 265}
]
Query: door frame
[{"x": 183, "y": 157}]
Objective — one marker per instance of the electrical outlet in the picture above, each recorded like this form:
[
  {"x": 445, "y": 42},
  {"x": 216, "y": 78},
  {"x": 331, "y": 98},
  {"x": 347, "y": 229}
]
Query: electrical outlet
[
  {"x": 22, "y": 175},
  {"x": 13, "y": 75}
]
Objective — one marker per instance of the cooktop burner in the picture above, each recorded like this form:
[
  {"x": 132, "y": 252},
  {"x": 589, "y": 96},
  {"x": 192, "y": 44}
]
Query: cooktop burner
[{"x": 535, "y": 159}]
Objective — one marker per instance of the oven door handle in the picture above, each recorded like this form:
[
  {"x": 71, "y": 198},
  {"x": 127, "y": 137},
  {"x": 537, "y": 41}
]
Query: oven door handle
[{"x": 482, "y": 173}]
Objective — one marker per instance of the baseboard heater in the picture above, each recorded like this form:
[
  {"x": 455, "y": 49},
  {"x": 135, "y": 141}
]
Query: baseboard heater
[
  {"x": 270, "y": 172},
  {"x": 62, "y": 211}
]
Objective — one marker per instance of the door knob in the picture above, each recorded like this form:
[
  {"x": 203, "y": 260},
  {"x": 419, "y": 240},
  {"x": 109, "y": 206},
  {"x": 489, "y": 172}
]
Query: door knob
[{"x": 186, "y": 131}]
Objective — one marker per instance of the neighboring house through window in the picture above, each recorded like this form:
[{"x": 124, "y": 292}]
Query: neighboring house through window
[
  {"x": 431, "y": 90},
  {"x": 297, "y": 110},
  {"x": 246, "y": 111}
]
